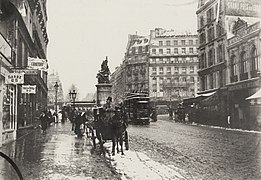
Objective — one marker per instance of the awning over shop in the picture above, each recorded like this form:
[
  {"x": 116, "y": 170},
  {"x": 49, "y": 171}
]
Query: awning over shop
[
  {"x": 206, "y": 94},
  {"x": 211, "y": 100},
  {"x": 255, "y": 96}
]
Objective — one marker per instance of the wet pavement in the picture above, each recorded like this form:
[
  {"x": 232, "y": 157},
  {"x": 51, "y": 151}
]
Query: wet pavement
[
  {"x": 58, "y": 154},
  {"x": 200, "y": 152}
]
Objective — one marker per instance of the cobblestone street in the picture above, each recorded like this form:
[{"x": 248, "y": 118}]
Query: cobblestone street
[{"x": 58, "y": 154}]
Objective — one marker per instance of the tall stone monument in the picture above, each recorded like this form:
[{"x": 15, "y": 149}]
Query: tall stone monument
[{"x": 104, "y": 85}]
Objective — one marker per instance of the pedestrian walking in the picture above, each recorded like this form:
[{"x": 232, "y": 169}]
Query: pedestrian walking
[
  {"x": 72, "y": 118},
  {"x": 44, "y": 121}
]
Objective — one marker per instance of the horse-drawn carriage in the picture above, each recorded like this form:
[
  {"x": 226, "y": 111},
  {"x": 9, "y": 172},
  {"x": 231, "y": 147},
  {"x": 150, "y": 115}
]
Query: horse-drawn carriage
[{"x": 109, "y": 124}]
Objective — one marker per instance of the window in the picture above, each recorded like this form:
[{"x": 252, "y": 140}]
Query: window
[
  {"x": 175, "y": 42},
  {"x": 183, "y": 50},
  {"x": 184, "y": 71},
  {"x": 243, "y": 62},
  {"x": 202, "y": 21},
  {"x": 154, "y": 70},
  {"x": 168, "y": 51},
  {"x": 176, "y": 70},
  {"x": 168, "y": 70},
  {"x": 161, "y": 81},
  {"x": 211, "y": 57},
  {"x": 176, "y": 51},
  {"x": 211, "y": 81},
  {"x": 168, "y": 60},
  {"x": 140, "y": 49},
  {"x": 160, "y": 43},
  {"x": 168, "y": 43},
  {"x": 176, "y": 80},
  {"x": 190, "y": 50},
  {"x": 168, "y": 80},
  {"x": 160, "y": 60},
  {"x": 254, "y": 59},
  {"x": 191, "y": 69},
  {"x": 211, "y": 34},
  {"x": 190, "y": 42},
  {"x": 202, "y": 61},
  {"x": 153, "y": 51},
  {"x": 133, "y": 50},
  {"x": 154, "y": 80},
  {"x": 160, "y": 51},
  {"x": 184, "y": 79},
  {"x": 202, "y": 37},
  {"x": 161, "y": 70},
  {"x": 210, "y": 15},
  {"x": 220, "y": 54},
  {"x": 192, "y": 79},
  {"x": 154, "y": 87},
  {"x": 183, "y": 42}
]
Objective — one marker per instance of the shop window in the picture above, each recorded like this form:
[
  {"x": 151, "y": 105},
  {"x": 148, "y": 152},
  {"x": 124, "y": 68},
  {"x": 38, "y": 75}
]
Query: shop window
[{"x": 8, "y": 108}]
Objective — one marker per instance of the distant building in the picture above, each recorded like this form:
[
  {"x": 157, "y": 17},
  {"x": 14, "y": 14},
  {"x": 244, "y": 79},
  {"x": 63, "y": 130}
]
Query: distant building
[
  {"x": 173, "y": 66},
  {"x": 52, "y": 79},
  {"x": 118, "y": 84}
]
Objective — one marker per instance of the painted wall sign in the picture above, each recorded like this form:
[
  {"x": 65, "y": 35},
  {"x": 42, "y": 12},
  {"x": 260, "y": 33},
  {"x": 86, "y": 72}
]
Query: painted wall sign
[
  {"x": 14, "y": 78},
  {"x": 247, "y": 8}
]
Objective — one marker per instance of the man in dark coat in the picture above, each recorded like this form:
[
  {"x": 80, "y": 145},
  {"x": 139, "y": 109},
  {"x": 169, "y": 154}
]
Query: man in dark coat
[{"x": 44, "y": 121}]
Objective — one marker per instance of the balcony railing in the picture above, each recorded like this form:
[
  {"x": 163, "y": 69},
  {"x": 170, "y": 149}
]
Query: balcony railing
[{"x": 253, "y": 73}]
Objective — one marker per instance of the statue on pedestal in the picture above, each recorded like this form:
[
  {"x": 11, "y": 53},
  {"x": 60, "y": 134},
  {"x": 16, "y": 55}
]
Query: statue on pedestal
[{"x": 103, "y": 74}]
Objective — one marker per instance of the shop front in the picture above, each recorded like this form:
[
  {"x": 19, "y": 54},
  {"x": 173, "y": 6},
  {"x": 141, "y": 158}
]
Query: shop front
[{"x": 243, "y": 113}]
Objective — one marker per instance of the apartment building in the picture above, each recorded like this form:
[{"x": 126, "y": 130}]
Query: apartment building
[{"x": 173, "y": 66}]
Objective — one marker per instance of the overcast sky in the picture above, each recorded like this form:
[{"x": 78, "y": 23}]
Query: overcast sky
[{"x": 83, "y": 32}]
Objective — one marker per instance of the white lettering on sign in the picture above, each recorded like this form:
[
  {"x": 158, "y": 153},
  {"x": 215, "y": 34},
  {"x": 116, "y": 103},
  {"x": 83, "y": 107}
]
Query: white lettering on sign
[
  {"x": 14, "y": 78},
  {"x": 29, "y": 89},
  {"x": 36, "y": 63},
  {"x": 248, "y": 8}
]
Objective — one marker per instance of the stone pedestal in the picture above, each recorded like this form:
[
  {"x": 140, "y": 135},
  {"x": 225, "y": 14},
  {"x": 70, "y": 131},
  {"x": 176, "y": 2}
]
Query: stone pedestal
[{"x": 103, "y": 92}]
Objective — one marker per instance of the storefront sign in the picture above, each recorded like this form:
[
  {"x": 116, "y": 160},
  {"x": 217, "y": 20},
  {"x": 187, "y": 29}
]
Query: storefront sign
[
  {"x": 247, "y": 8},
  {"x": 14, "y": 78},
  {"x": 35, "y": 63},
  {"x": 26, "y": 71},
  {"x": 29, "y": 89}
]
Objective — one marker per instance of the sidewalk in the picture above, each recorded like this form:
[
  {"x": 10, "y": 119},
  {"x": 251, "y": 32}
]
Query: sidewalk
[{"x": 58, "y": 154}]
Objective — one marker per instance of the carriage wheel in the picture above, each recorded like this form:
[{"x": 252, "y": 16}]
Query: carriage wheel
[{"x": 126, "y": 140}]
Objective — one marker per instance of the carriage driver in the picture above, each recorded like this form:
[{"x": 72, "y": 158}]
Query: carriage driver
[{"x": 108, "y": 106}]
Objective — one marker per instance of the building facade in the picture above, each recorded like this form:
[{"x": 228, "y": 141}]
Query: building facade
[
  {"x": 118, "y": 84},
  {"x": 216, "y": 22},
  {"x": 173, "y": 65},
  {"x": 136, "y": 64},
  {"x": 244, "y": 51},
  {"x": 22, "y": 35}
]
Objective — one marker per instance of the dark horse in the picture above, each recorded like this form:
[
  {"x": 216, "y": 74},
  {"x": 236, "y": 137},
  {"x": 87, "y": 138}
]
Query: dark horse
[{"x": 120, "y": 134}]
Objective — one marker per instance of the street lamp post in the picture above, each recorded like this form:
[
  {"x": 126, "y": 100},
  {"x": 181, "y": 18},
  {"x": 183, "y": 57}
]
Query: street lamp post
[
  {"x": 73, "y": 97},
  {"x": 56, "y": 91}
]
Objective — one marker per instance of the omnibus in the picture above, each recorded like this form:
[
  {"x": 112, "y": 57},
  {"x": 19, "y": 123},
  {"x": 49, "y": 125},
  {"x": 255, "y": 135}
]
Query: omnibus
[{"x": 137, "y": 108}]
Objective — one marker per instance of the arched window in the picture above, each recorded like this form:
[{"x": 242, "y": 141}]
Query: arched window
[
  {"x": 254, "y": 59},
  {"x": 243, "y": 62}
]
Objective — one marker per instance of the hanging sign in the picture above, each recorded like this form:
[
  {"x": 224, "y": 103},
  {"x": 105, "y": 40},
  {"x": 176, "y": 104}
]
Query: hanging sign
[
  {"x": 14, "y": 78},
  {"x": 28, "y": 89},
  {"x": 26, "y": 71},
  {"x": 36, "y": 63}
]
